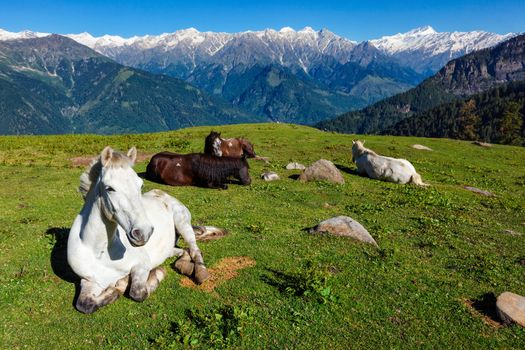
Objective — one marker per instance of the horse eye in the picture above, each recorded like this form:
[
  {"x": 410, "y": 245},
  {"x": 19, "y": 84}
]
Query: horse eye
[{"x": 110, "y": 189}]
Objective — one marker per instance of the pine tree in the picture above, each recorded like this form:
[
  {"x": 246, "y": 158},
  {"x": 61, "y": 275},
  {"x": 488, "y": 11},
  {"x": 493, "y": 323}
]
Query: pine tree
[
  {"x": 468, "y": 121},
  {"x": 511, "y": 124}
]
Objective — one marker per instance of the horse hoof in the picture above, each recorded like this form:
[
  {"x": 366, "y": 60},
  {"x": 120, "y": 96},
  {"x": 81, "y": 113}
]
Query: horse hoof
[
  {"x": 184, "y": 267},
  {"x": 122, "y": 284},
  {"x": 160, "y": 273},
  {"x": 201, "y": 274}
]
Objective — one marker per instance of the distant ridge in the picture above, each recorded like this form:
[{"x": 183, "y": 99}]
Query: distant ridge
[
  {"x": 54, "y": 85},
  {"x": 471, "y": 74}
]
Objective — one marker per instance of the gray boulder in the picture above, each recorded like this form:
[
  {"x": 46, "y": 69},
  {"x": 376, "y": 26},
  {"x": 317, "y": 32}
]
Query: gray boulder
[
  {"x": 322, "y": 170},
  {"x": 270, "y": 176},
  {"x": 344, "y": 226},
  {"x": 295, "y": 165},
  {"x": 481, "y": 144},
  {"x": 421, "y": 147},
  {"x": 511, "y": 308},
  {"x": 479, "y": 191}
]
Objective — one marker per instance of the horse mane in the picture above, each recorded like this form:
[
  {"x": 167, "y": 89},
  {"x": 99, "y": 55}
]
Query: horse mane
[
  {"x": 361, "y": 149},
  {"x": 216, "y": 169},
  {"x": 92, "y": 172}
]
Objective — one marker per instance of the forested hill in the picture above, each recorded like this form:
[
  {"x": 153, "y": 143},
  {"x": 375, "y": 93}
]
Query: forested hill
[
  {"x": 497, "y": 115},
  {"x": 54, "y": 85},
  {"x": 460, "y": 78}
]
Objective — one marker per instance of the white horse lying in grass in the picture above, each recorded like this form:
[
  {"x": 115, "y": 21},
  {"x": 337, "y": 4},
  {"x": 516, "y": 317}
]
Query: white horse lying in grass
[
  {"x": 388, "y": 169},
  {"x": 121, "y": 236}
]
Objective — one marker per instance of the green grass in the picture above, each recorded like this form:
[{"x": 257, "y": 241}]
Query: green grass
[{"x": 439, "y": 248}]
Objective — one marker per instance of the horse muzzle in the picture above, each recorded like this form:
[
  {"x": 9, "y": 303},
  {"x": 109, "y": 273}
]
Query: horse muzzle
[{"x": 139, "y": 237}]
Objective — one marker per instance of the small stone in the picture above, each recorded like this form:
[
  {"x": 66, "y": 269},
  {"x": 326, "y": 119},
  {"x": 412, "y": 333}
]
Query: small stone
[
  {"x": 481, "y": 144},
  {"x": 344, "y": 226},
  {"x": 478, "y": 191},
  {"x": 295, "y": 165},
  {"x": 511, "y": 233},
  {"x": 421, "y": 147},
  {"x": 511, "y": 308},
  {"x": 270, "y": 176},
  {"x": 322, "y": 170}
]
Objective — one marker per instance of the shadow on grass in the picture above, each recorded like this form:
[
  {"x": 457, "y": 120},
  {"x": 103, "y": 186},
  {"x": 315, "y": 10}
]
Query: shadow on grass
[
  {"x": 294, "y": 176},
  {"x": 284, "y": 282},
  {"x": 347, "y": 170},
  {"x": 486, "y": 305},
  {"x": 58, "y": 258}
]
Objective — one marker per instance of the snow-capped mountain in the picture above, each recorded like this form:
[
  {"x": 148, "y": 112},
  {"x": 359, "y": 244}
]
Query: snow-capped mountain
[
  {"x": 424, "y": 49},
  {"x": 288, "y": 75},
  {"x": 189, "y": 47}
]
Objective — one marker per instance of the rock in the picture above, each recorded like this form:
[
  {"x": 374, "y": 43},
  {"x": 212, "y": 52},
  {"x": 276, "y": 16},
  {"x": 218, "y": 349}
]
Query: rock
[
  {"x": 511, "y": 233},
  {"x": 295, "y": 165},
  {"x": 482, "y": 144},
  {"x": 421, "y": 147},
  {"x": 478, "y": 191},
  {"x": 511, "y": 308},
  {"x": 269, "y": 176},
  {"x": 344, "y": 226},
  {"x": 322, "y": 170}
]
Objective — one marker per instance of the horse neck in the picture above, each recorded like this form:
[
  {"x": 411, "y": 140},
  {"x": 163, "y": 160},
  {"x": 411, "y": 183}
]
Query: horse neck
[
  {"x": 363, "y": 150},
  {"x": 96, "y": 231}
]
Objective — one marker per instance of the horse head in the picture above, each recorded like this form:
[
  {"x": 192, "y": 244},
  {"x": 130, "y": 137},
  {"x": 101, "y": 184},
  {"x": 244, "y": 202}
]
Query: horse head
[
  {"x": 357, "y": 149},
  {"x": 247, "y": 148},
  {"x": 212, "y": 144},
  {"x": 119, "y": 188}
]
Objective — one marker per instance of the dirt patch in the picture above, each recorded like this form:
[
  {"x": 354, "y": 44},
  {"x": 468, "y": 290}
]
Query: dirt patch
[
  {"x": 84, "y": 161},
  {"x": 225, "y": 270},
  {"x": 484, "y": 308}
]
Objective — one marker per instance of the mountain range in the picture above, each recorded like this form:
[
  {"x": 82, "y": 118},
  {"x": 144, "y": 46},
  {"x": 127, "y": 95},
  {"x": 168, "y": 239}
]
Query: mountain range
[
  {"x": 436, "y": 102},
  {"x": 291, "y": 76},
  {"x": 53, "y": 85},
  {"x": 300, "y": 76}
]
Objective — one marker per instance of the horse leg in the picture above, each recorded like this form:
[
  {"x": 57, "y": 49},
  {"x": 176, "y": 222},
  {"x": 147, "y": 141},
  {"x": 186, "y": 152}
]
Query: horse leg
[
  {"x": 183, "y": 226},
  {"x": 92, "y": 297},
  {"x": 144, "y": 282},
  {"x": 244, "y": 176}
]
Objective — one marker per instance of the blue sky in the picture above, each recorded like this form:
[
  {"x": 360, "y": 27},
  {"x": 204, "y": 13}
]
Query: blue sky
[{"x": 357, "y": 20}]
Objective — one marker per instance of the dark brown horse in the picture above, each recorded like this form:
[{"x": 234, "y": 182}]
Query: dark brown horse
[
  {"x": 234, "y": 147},
  {"x": 196, "y": 169}
]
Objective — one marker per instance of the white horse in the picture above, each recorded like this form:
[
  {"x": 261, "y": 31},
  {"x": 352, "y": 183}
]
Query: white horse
[
  {"x": 388, "y": 169},
  {"x": 122, "y": 236}
]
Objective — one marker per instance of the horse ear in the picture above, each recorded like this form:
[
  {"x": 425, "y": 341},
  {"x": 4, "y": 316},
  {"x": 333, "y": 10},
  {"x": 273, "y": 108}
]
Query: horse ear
[
  {"x": 106, "y": 155},
  {"x": 132, "y": 154},
  {"x": 364, "y": 142},
  {"x": 353, "y": 142}
]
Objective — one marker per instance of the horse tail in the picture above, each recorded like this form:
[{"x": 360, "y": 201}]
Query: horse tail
[
  {"x": 208, "y": 233},
  {"x": 417, "y": 180}
]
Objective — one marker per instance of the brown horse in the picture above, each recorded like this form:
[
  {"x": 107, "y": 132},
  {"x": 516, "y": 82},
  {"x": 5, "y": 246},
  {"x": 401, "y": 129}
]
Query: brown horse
[
  {"x": 196, "y": 169},
  {"x": 234, "y": 147}
]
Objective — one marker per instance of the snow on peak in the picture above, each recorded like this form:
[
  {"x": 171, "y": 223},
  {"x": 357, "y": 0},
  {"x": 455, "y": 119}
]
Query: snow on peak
[
  {"x": 26, "y": 34},
  {"x": 426, "y": 30},
  {"x": 307, "y": 30},
  {"x": 287, "y": 30},
  {"x": 428, "y": 40}
]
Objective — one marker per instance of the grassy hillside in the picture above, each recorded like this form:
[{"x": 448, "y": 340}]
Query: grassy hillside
[{"x": 443, "y": 254}]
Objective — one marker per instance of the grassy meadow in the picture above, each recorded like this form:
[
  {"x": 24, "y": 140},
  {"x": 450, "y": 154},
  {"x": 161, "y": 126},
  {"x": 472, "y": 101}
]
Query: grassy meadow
[{"x": 443, "y": 255}]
